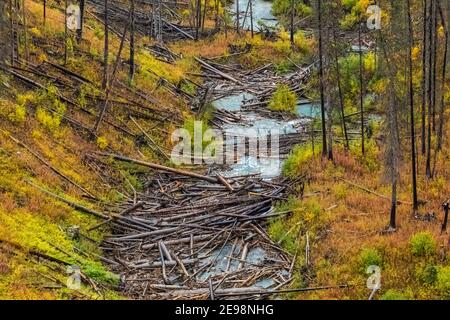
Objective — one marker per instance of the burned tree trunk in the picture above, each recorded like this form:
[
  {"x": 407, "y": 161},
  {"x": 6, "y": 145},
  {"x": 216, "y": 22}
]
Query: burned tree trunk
[
  {"x": 361, "y": 89},
  {"x": 132, "y": 29},
  {"x": 65, "y": 32},
  {"x": 341, "y": 96},
  {"x": 424, "y": 75},
  {"x": 6, "y": 47},
  {"x": 44, "y": 11},
  {"x": 393, "y": 136},
  {"x": 322, "y": 76},
  {"x": 25, "y": 31},
  {"x": 444, "y": 78},
  {"x": 106, "y": 48},
  {"x": 411, "y": 108},
  {"x": 292, "y": 21},
  {"x": 430, "y": 88},
  {"x": 80, "y": 29}
]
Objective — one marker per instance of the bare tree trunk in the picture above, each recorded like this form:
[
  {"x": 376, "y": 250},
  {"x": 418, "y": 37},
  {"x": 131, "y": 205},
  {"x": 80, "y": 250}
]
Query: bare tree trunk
[
  {"x": 65, "y": 32},
  {"x": 341, "y": 96},
  {"x": 434, "y": 50},
  {"x": 111, "y": 82},
  {"x": 80, "y": 30},
  {"x": 25, "y": 30},
  {"x": 424, "y": 74},
  {"x": 45, "y": 11},
  {"x": 5, "y": 32},
  {"x": 411, "y": 107},
  {"x": 251, "y": 17},
  {"x": 444, "y": 74},
  {"x": 204, "y": 15},
  {"x": 292, "y": 21},
  {"x": 132, "y": 27},
  {"x": 430, "y": 90},
  {"x": 321, "y": 76},
  {"x": 237, "y": 17},
  {"x": 197, "y": 18},
  {"x": 11, "y": 26},
  {"x": 106, "y": 47},
  {"x": 393, "y": 213},
  {"x": 361, "y": 89},
  {"x": 393, "y": 144}
]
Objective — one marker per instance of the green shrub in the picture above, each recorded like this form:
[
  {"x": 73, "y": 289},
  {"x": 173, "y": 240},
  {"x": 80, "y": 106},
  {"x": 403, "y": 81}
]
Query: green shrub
[
  {"x": 19, "y": 114},
  {"x": 422, "y": 244},
  {"x": 102, "y": 142},
  {"x": 393, "y": 295},
  {"x": 443, "y": 281},
  {"x": 98, "y": 273},
  {"x": 369, "y": 257},
  {"x": 428, "y": 274},
  {"x": 299, "y": 159},
  {"x": 284, "y": 99}
]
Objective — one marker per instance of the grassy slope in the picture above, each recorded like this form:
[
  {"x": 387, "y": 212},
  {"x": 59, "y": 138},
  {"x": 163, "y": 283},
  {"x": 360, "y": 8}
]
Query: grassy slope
[
  {"x": 33, "y": 225},
  {"x": 345, "y": 225}
]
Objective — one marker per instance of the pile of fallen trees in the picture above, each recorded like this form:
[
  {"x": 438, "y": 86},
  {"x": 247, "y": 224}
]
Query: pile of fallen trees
[{"x": 197, "y": 236}]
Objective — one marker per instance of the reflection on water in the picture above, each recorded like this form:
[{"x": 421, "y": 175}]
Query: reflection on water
[
  {"x": 262, "y": 11},
  {"x": 308, "y": 110}
]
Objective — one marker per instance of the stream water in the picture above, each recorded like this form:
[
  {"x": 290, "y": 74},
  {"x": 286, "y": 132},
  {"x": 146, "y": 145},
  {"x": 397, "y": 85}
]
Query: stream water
[
  {"x": 255, "y": 125},
  {"x": 262, "y": 13}
]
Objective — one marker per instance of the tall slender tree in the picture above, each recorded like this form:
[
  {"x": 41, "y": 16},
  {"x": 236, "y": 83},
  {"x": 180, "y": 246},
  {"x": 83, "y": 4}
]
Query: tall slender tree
[
  {"x": 430, "y": 86},
  {"x": 65, "y": 32},
  {"x": 80, "y": 29},
  {"x": 292, "y": 21},
  {"x": 411, "y": 107},
  {"x": 361, "y": 87},
  {"x": 424, "y": 74},
  {"x": 106, "y": 46},
  {"x": 444, "y": 78},
  {"x": 45, "y": 11},
  {"x": 25, "y": 31},
  {"x": 322, "y": 81},
  {"x": 132, "y": 40}
]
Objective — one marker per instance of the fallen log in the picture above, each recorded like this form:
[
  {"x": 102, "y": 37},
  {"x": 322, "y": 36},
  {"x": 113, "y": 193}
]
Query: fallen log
[
  {"x": 69, "y": 202},
  {"x": 159, "y": 167},
  {"x": 228, "y": 292},
  {"x": 217, "y": 71}
]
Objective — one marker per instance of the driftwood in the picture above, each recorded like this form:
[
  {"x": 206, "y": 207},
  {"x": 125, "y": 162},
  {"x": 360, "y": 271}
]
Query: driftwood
[
  {"x": 215, "y": 70},
  {"x": 188, "y": 230},
  {"x": 159, "y": 167},
  {"x": 247, "y": 291}
]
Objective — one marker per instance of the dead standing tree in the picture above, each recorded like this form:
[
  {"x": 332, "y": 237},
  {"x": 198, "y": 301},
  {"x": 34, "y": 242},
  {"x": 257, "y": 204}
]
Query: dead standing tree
[
  {"x": 444, "y": 78},
  {"x": 106, "y": 48},
  {"x": 5, "y": 33},
  {"x": 322, "y": 80},
  {"x": 424, "y": 75},
  {"x": 111, "y": 83},
  {"x": 411, "y": 107},
  {"x": 361, "y": 86},
  {"x": 132, "y": 38},
  {"x": 80, "y": 29}
]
